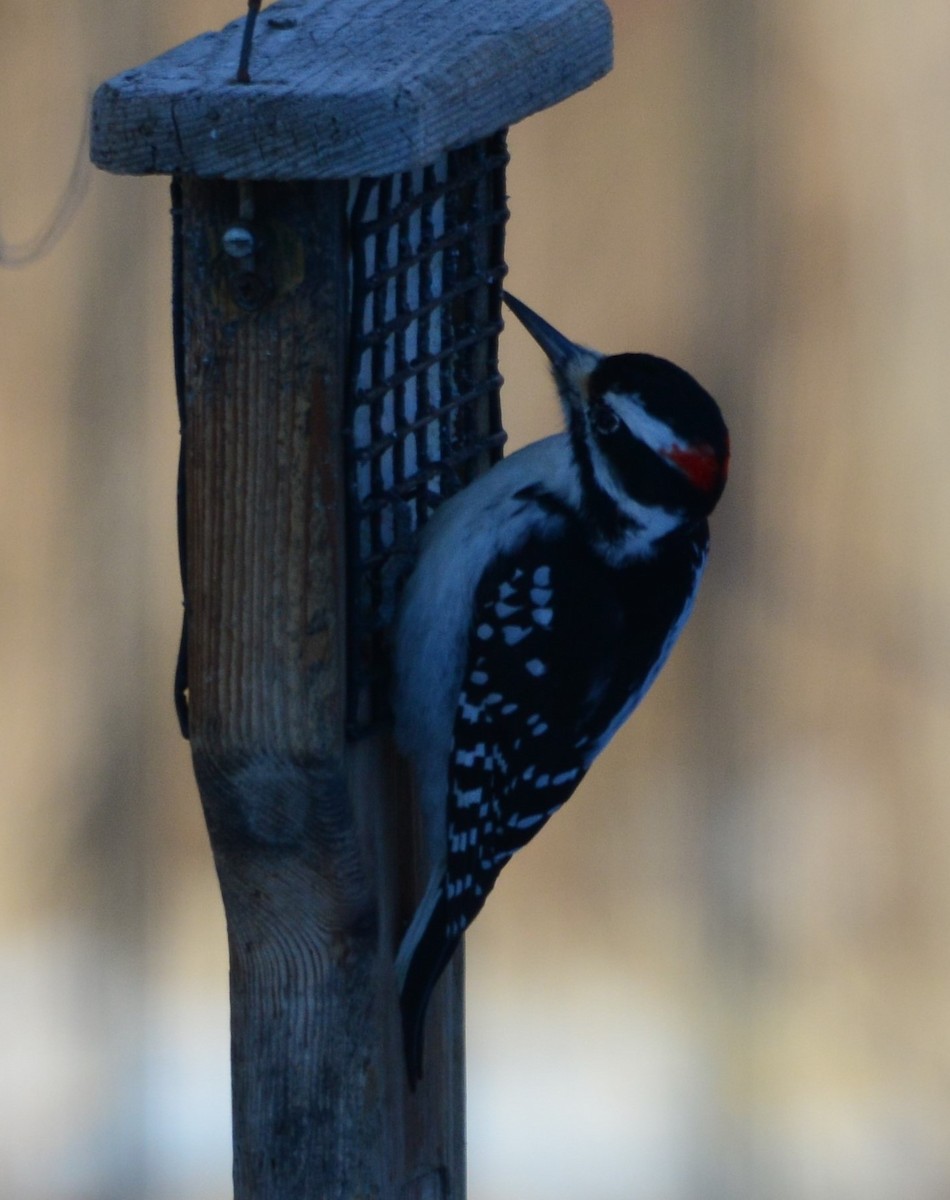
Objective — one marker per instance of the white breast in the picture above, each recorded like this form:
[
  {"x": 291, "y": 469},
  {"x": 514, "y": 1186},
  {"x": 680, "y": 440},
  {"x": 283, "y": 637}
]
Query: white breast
[{"x": 432, "y": 629}]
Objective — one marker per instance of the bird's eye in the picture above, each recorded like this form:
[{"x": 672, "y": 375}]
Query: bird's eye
[{"x": 603, "y": 418}]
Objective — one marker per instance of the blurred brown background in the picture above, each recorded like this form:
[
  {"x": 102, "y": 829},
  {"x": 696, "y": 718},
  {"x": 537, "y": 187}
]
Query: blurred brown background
[{"x": 724, "y": 970}]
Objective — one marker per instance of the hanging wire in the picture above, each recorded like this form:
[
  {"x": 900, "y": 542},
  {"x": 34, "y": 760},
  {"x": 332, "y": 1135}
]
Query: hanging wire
[{"x": 23, "y": 254}]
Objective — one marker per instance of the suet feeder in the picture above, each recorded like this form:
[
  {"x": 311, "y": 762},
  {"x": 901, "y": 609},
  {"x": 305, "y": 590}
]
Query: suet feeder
[{"x": 339, "y": 210}]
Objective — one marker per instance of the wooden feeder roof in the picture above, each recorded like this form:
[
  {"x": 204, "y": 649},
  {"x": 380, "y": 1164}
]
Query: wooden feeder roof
[{"x": 344, "y": 88}]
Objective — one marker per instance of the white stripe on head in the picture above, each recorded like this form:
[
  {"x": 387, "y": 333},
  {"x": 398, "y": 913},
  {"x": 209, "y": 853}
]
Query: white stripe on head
[
  {"x": 640, "y": 540},
  {"x": 649, "y": 429},
  {"x": 649, "y": 523}
]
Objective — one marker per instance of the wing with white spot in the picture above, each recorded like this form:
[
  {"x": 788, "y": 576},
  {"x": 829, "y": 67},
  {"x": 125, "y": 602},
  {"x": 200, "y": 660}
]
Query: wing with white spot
[{"x": 562, "y": 648}]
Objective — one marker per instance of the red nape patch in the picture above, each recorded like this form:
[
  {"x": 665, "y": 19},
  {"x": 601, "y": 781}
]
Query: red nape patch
[{"x": 700, "y": 464}]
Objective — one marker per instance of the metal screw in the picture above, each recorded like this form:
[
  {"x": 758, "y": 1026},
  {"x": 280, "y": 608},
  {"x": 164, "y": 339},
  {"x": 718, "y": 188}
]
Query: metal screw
[{"x": 238, "y": 242}]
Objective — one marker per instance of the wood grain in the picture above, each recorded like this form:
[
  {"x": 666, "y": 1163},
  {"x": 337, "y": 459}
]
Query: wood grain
[
  {"x": 348, "y": 88},
  {"x": 302, "y": 825}
]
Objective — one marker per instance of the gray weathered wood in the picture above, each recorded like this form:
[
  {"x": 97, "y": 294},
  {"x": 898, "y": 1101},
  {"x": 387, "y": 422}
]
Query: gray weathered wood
[
  {"x": 311, "y": 851},
  {"x": 343, "y": 88}
]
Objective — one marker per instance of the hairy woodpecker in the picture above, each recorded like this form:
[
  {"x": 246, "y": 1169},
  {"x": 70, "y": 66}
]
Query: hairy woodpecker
[{"x": 545, "y": 599}]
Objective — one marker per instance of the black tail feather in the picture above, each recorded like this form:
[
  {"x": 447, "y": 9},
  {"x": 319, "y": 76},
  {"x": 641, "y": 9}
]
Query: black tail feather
[{"x": 419, "y": 967}]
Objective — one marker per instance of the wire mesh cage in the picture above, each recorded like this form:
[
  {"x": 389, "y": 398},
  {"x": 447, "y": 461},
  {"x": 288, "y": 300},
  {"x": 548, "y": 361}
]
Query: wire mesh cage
[{"x": 423, "y": 414}]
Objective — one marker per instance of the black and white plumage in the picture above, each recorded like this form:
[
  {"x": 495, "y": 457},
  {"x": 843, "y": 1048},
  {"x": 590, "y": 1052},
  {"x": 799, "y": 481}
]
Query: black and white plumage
[{"x": 546, "y": 597}]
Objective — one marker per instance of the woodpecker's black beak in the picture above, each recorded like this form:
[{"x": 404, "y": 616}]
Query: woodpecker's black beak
[
  {"x": 562, "y": 353},
  {"x": 572, "y": 364}
]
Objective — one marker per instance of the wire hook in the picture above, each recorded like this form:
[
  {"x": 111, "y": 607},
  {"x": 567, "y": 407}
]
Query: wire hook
[{"x": 244, "y": 62}]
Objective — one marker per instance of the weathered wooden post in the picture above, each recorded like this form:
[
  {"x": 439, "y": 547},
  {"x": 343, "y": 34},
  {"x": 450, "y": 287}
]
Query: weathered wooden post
[{"x": 338, "y": 246}]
